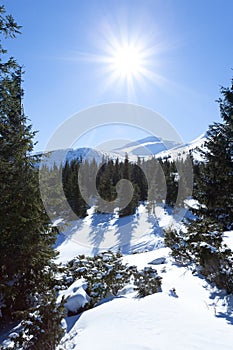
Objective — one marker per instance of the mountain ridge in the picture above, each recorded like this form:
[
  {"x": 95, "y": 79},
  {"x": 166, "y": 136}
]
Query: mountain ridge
[{"x": 144, "y": 148}]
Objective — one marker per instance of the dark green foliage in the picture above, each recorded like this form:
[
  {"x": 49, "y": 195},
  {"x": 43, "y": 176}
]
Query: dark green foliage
[
  {"x": 42, "y": 326},
  {"x": 148, "y": 282},
  {"x": 202, "y": 244},
  {"x": 176, "y": 241},
  {"x": 170, "y": 173},
  {"x": 156, "y": 183},
  {"x": 71, "y": 188},
  {"x": 214, "y": 193},
  {"x": 186, "y": 245},
  {"x": 52, "y": 191},
  {"x": 8, "y": 28},
  {"x": 106, "y": 275},
  {"x": 26, "y": 233},
  {"x": 119, "y": 185},
  {"x": 106, "y": 179},
  {"x": 27, "y": 237},
  {"x": 203, "y": 247},
  {"x": 215, "y": 177}
]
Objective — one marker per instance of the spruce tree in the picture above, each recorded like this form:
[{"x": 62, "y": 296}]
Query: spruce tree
[
  {"x": 127, "y": 192},
  {"x": 203, "y": 243},
  {"x": 215, "y": 181},
  {"x": 27, "y": 269}
]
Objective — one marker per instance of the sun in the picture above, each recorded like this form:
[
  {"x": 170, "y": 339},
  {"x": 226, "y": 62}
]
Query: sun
[{"x": 127, "y": 61}]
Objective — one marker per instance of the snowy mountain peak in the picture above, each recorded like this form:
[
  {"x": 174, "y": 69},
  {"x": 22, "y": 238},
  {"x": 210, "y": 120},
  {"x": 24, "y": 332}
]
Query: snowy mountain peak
[{"x": 146, "y": 147}]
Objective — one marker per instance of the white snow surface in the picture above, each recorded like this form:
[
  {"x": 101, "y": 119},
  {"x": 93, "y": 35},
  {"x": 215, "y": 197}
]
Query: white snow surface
[
  {"x": 101, "y": 232},
  {"x": 228, "y": 239},
  {"x": 182, "y": 151},
  {"x": 145, "y": 148},
  {"x": 188, "y": 313},
  {"x": 76, "y": 296}
]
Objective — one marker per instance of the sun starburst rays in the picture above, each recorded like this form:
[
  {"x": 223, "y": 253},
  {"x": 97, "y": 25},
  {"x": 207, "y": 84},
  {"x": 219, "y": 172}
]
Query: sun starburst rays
[{"x": 127, "y": 61}]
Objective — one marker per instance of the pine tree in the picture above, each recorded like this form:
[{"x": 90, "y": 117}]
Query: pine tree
[
  {"x": 71, "y": 185},
  {"x": 156, "y": 183},
  {"x": 138, "y": 177},
  {"x": 42, "y": 328},
  {"x": 170, "y": 173},
  {"x": 215, "y": 181},
  {"x": 127, "y": 193},
  {"x": 203, "y": 243},
  {"x": 52, "y": 190},
  {"x": 27, "y": 270},
  {"x": 106, "y": 187},
  {"x": 26, "y": 234}
]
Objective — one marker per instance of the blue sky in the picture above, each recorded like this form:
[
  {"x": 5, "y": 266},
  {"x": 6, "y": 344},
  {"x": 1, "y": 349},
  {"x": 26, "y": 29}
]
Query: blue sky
[{"x": 64, "y": 43}]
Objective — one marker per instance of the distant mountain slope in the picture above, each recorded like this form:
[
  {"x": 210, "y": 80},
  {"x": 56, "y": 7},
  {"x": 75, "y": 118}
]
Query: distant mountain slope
[
  {"x": 146, "y": 147},
  {"x": 182, "y": 151},
  {"x": 62, "y": 155}
]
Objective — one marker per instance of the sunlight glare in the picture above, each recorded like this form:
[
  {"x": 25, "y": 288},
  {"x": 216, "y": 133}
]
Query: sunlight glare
[{"x": 127, "y": 60}]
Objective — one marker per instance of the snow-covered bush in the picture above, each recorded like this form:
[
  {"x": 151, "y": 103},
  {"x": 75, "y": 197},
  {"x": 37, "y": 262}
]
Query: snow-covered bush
[
  {"x": 41, "y": 328},
  {"x": 106, "y": 276},
  {"x": 201, "y": 245},
  {"x": 75, "y": 296},
  {"x": 148, "y": 282}
]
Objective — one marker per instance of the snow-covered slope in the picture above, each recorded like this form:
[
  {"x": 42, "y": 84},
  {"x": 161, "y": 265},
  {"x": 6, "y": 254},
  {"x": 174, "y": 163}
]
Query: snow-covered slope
[
  {"x": 60, "y": 156},
  {"x": 146, "y": 147},
  {"x": 100, "y": 232},
  {"x": 183, "y": 151},
  {"x": 187, "y": 314}
]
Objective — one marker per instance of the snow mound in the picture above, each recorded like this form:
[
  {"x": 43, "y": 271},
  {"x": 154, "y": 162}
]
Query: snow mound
[{"x": 76, "y": 296}]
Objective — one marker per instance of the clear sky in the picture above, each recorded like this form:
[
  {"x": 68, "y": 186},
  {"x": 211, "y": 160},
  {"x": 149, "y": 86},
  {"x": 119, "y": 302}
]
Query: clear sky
[{"x": 71, "y": 52}]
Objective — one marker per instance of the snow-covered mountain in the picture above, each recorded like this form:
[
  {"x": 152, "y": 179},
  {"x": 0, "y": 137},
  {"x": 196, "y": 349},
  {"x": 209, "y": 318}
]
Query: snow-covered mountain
[
  {"x": 182, "y": 151},
  {"x": 60, "y": 156},
  {"x": 146, "y": 147},
  {"x": 153, "y": 146},
  {"x": 188, "y": 312}
]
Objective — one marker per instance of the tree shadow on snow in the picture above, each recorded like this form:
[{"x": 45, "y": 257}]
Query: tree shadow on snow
[
  {"x": 227, "y": 302},
  {"x": 99, "y": 227},
  {"x": 125, "y": 226},
  {"x": 221, "y": 299},
  {"x": 67, "y": 230}
]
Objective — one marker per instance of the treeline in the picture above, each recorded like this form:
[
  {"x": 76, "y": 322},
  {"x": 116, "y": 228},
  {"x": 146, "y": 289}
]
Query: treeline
[{"x": 86, "y": 183}]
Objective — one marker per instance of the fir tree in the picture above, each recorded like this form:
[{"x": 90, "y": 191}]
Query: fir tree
[
  {"x": 27, "y": 269},
  {"x": 202, "y": 243},
  {"x": 215, "y": 181},
  {"x": 127, "y": 193}
]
